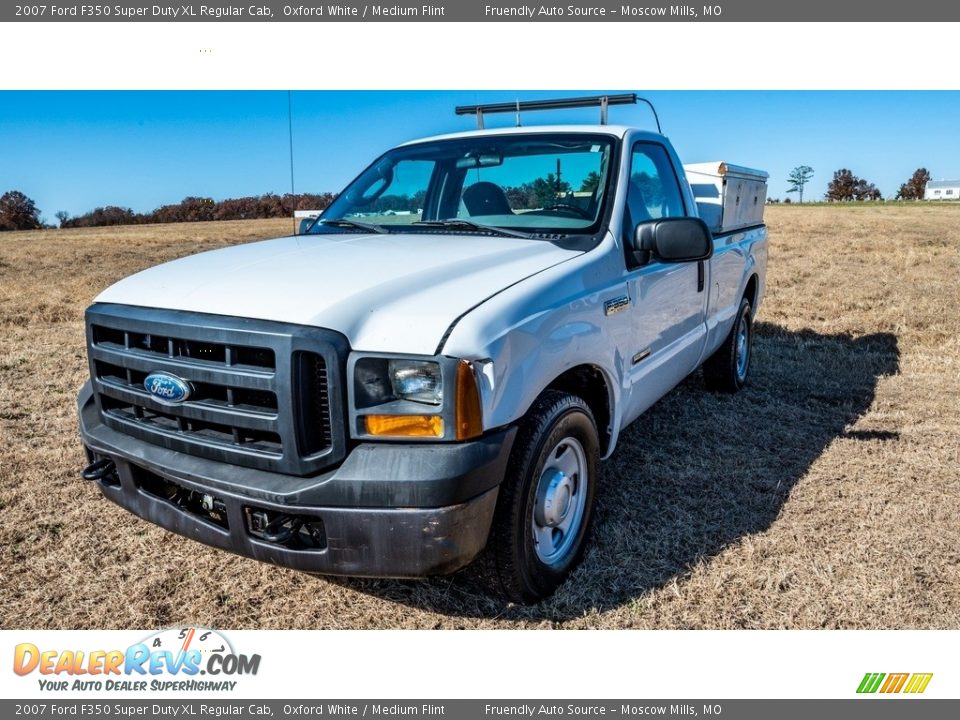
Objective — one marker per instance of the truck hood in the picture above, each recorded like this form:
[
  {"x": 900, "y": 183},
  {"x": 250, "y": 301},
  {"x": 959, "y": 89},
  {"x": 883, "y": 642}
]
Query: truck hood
[{"x": 389, "y": 293}]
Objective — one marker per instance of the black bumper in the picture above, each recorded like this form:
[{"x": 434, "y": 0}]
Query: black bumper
[{"x": 389, "y": 510}]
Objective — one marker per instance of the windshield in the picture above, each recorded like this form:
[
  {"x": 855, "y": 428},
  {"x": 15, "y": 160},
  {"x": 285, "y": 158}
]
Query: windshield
[{"x": 533, "y": 184}]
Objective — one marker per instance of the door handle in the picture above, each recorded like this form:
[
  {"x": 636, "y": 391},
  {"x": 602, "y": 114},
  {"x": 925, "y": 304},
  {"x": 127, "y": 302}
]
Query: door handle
[{"x": 700, "y": 275}]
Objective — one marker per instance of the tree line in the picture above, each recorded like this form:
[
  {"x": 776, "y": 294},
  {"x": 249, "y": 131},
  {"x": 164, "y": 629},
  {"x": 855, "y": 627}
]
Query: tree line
[
  {"x": 202, "y": 209},
  {"x": 847, "y": 187},
  {"x": 19, "y": 212}
]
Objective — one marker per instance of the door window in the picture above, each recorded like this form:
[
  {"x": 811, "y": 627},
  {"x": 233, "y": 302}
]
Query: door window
[{"x": 653, "y": 190}]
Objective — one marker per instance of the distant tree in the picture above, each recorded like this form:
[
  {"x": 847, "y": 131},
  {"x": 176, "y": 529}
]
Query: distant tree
[
  {"x": 416, "y": 202},
  {"x": 914, "y": 188},
  {"x": 270, "y": 205},
  {"x": 521, "y": 197},
  {"x": 798, "y": 178},
  {"x": 547, "y": 190},
  {"x": 842, "y": 187},
  {"x": 62, "y": 216},
  {"x": 390, "y": 203},
  {"x": 104, "y": 216},
  {"x": 864, "y": 190},
  {"x": 195, "y": 209},
  {"x": 234, "y": 209},
  {"x": 314, "y": 201},
  {"x": 190, "y": 209},
  {"x": 787, "y": 201},
  {"x": 591, "y": 182},
  {"x": 18, "y": 212}
]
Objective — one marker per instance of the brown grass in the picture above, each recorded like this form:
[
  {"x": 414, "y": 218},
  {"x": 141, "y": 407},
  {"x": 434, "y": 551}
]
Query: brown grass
[{"x": 826, "y": 495}]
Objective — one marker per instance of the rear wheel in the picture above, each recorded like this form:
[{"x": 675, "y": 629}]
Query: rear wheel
[
  {"x": 726, "y": 370},
  {"x": 545, "y": 504}
]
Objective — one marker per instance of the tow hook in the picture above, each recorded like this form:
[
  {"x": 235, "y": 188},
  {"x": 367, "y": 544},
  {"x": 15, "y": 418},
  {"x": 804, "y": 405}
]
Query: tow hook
[
  {"x": 282, "y": 528},
  {"x": 294, "y": 531},
  {"x": 99, "y": 470}
]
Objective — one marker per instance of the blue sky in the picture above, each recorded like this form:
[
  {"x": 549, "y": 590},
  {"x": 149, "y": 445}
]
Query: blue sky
[{"x": 74, "y": 151}]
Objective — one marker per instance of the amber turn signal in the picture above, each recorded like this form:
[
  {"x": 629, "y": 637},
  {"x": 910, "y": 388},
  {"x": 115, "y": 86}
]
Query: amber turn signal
[
  {"x": 404, "y": 425},
  {"x": 469, "y": 414}
]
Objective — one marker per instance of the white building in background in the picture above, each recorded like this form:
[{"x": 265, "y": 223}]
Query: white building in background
[
  {"x": 942, "y": 190},
  {"x": 305, "y": 218}
]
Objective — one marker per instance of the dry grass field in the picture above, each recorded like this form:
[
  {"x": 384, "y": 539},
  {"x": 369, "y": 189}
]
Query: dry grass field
[{"x": 826, "y": 495}]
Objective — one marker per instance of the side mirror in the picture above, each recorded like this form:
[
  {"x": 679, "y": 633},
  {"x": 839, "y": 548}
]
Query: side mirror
[
  {"x": 305, "y": 223},
  {"x": 672, "y": 240}
]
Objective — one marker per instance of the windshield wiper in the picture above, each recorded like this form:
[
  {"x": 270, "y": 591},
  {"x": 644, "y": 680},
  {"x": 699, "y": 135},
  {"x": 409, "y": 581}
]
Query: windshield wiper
[
  {"x": 345, "y": 223},
  {"x": 471, "y": 225}
]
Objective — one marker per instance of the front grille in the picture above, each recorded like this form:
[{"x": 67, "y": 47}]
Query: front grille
[
  {"x": 264, "y": 395},
  {"x": 314, "y": 410}
]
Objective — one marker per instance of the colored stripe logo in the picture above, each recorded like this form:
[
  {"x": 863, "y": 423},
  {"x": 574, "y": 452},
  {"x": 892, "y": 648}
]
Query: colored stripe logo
[{"x": 913, "y": 683}]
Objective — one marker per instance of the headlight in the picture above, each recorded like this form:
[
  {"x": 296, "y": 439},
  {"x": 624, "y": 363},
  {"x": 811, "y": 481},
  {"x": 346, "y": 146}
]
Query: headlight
[
  {"x": 379, "y": 381},
  {"x": 416, "y": 381},
  {"x": 404, "y": 398}
]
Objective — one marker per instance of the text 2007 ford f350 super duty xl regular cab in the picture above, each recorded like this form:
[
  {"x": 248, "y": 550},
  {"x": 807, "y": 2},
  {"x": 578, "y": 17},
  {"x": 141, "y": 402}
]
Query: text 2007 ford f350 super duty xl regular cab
[{"x": 435, "y": 367}]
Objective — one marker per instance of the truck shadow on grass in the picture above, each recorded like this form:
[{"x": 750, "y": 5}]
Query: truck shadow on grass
[{"x": 696, "y": 473}]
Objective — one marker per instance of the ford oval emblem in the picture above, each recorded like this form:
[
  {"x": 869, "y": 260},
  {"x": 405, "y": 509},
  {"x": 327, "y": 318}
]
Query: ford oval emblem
[{"x": 167, "y": 388}]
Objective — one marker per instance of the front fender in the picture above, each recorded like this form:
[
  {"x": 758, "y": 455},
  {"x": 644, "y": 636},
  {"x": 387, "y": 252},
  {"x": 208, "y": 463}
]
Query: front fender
[{"x": 527, "y": 336}]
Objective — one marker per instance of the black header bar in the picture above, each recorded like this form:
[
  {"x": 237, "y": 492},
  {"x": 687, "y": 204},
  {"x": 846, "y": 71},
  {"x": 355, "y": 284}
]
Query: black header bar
[{"x": 486, "y": 11}]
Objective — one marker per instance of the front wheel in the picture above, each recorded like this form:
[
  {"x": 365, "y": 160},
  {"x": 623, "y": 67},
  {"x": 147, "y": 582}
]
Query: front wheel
[
  {"x": 726, "y": 370},
  {"x": 545, "y": 504}
]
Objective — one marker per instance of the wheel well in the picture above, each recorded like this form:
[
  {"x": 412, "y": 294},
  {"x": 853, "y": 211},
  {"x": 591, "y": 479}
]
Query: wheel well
[
  {"x": 589, "y": 384},
  {"x": 751, "y": 292}
]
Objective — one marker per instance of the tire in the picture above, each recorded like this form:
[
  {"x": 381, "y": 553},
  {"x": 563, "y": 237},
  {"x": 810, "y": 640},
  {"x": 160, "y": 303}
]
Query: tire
[
  {"x": 545, "y": 504},
  {"x": 727, "y": 369}
]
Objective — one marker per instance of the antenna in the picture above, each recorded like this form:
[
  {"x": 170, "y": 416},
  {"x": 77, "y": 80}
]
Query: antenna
[
  {"x": 654, "y": 111},
  {"x": 293, "y": 192}
]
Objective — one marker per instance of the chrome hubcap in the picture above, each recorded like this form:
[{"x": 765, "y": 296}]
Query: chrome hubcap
[{"x": 560, "y": 502}]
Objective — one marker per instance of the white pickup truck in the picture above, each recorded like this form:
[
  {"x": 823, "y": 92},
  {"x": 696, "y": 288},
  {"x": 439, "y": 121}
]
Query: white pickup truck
[{"x": 434, "y": 369}]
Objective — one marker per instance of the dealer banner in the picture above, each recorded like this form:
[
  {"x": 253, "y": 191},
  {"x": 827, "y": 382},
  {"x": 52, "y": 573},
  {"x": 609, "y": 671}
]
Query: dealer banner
[{"x": 488, "y": 11}]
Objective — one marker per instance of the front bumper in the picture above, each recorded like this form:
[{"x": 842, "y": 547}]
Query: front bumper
[{"x": 389, "y": 510}]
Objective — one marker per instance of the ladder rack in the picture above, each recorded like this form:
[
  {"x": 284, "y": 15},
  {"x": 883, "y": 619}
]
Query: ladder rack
[{"x": 601, "y": 101}]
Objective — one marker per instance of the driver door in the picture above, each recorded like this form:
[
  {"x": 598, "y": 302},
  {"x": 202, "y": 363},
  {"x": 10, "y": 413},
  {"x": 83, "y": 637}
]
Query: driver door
[{"x": 668, "y": 300}]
